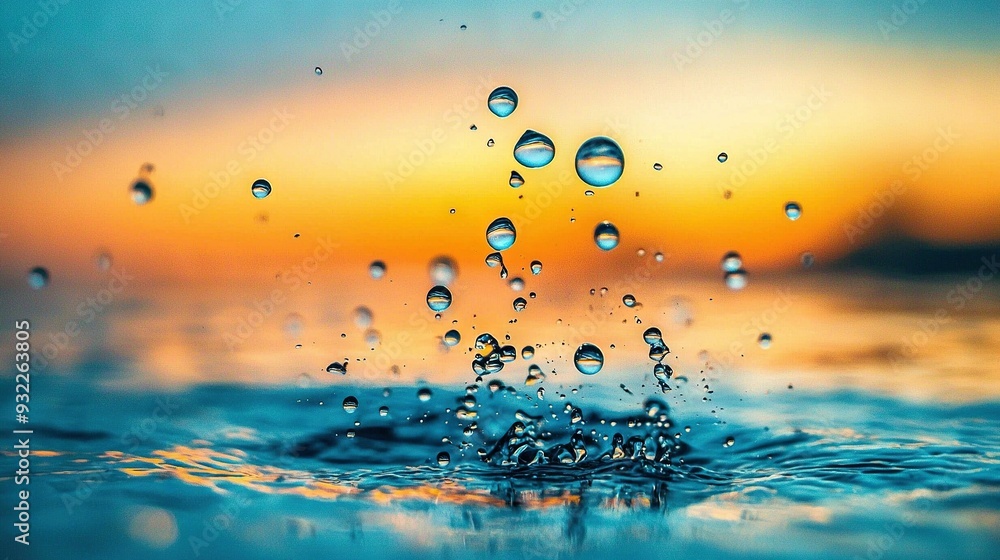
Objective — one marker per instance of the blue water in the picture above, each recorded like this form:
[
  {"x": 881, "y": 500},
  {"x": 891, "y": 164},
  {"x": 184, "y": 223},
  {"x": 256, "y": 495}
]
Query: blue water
[{"x": 809, "y": 474}]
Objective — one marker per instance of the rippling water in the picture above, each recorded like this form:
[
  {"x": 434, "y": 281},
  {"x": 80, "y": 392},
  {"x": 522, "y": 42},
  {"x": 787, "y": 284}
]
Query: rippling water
[{"x": 233, "y": 471}]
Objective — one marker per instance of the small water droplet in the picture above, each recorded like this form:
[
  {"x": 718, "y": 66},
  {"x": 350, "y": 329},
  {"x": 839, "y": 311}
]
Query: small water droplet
[
  {"x": 516, "y": 284},
  {"x": 528, "y": 352},
  {"x": 452, "y": 338},
  {"x": 362, "y": 317},
  {"x": 793, "y": 211},
  {"x": 424, "y": 394},
  {"x": 628, "y": 300},
  {"x": 502, "y": 101},
  {"x": 600, "y": 161},
  {"x": 501, "y": 234},
  {"x": 142, "y": 191},
  {"x": 657, "y": 167},
  {"x": 652, "y": 336},
  {"x": 443, "y": 459},
  {"x": 658, "y": 257},
  {"x": 38, "y": 278},
  {"x": 807, "y": 259},
  {"x": 337, "y": 368},
  {"x": 534, "y": 149},
  {"x": 515, "y": 179},
  {"x": 319, "y": 71},
  {"x": 443, "y": 270},
  {"x": 350, "y": 404},
  {"x": 376, "y": 269},
  {"x": 535, "y": 375},
  {"x": 723, "y": 156},
  {"x": 383, "y": 411},
  {"x": 261, "y": 188},
  {"x": 736, "y": 280},
  {"x": 606, "y": 236},
  {"x": 103, "y": 261},
  {"x": 536, "y": 267},
  {"x": 588, "y": 359},
  {"x": 764, "y": 340},
  {"x": 490, "y": 143},
  {"x": 730, "y": 441},
  {"x": 439, "y": 298},
  {"x": 519, "y": 304},
  {"x": 731, "y": 262}
]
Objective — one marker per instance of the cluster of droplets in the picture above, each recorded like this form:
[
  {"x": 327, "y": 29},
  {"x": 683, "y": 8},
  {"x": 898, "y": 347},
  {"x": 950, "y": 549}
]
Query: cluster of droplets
[
  {"x": 735, "y": 275},
  {"x": 658, "y": 350}
]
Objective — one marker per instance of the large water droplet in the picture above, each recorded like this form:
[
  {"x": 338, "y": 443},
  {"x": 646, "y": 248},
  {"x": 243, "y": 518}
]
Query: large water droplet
[
  {"x": 534, "y": 149},
  {"x": 350, "y": 404},
  {"x": 38, "y": 278},
  {"x": 731, "y": 262},
  {"x": 652, "y": 336},
  {"x": 606, "y": 236},
  {"x": 600, "y": 161},
  {"x": 142, "y": 191},
  {"x": 261, "y": 188},
  {"x": 439, "y": 298},
  {"x": 376, "y": 269},
  {"x": 588, "y": 359},
  {"x": 515, "y": 179},
  {"x": 793, "y": 211},
  {"x": 502, "y": 101},
  {"x": 500, "y": 234}
]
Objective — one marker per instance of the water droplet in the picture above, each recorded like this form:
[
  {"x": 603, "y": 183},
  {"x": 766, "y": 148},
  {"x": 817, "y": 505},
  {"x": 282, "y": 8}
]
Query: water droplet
[
  {"x": 606, "y": 236},
  {"x": 654, "y": 407},
  {"x": 730, "y": 441},
  {"x": 657, "y": 352},
  {"x": 588, "y": 359},
  {"x": 528, "y": 352},
  {"x": 443, "y": 459},
  {"x": 500, "y": 234},
  {"x": 490, "y": 143},
  {"x": 319, "y": 71},
  {"x": 350, "y": 404},
  {"x": 807, "y": 259},
  {"x": 463, "y": 27},
  {"x": 535, "y": 375},
  {"x": 628, "y": 300},
  {"x": 600, "y": 161},
  {"x": 723, "y": 156},
  {"x": 515, "y": 179},
  {"x": 793, "y": 211},
  {"x": 657, "y": 167},
  {"x": 536, "y": 267},
  {"x": 142, "y": 191},
  {"x": 519, "y": 304},
  {"x": 658, "y": 257},
  {"x": 764, "y": 340},
  {"x": 502, "y": 101},
  {"x": 640, "y": 253},
  {"x": 337, "y": 367},
  {"x": 383, "y": 411},
  {"x": 424, "y": 394},
  {"x": 376, "y": 269},
  {"x": 516, "y": 284},
  {"x": 362, "y": 317},
  {"x": 452, "y": 338},
  {"x": 652, "y": 336},
  {"x": 38, "y": 278},
  {"x": 534, "y": 149},
  {"x": 736, "y": 280},
  {"x": 443, "y": 270},
  {"x": 373, "y": 337},
  {"x": 731, "y": 262},
  {"x": 439, "y": 298},
  {"x": 261, "y": 188}
]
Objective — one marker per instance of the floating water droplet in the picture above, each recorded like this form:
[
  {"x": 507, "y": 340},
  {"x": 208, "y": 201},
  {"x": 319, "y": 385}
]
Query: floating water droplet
[
  {"x": 730, "y": 441},
  {"x": 443, "y": 459},
  {"x": 319, "y": 71},
  {"x": 655, "y": 407},
  {"x": 764, "y": 340},
  {"x": 362, "y": 317},
  {"x": 376, "y": 269},
  {"x": 652, "y": 335},
  {"x": 452, "y": 338},
  {"x": 540, "y": 393},
  {"x": 515, "y": 179},
  {"x": 383, "y": 411},
  {"x": 731, "y": 262},
  {"x": 528, "y": 352},
  {"x": 38, "y": 278},
  {"x": 373, "y": 337},
  {"x": 807, "y": 259},
  {"x": 736, "y": 280},
  {"x": 600, "y": 161},
  {"x": 463, "y": 27},
  {"x": 536, "y": 267},
  {"x": 657, "y": 352},
  {"x": 260, "y": 188},
  {"x": 439, "y": 298},
  {"x": 502, "y": 101},
  {"x": 628, "y": 300},
  {"x": 534, "y": 149},
  {"x": 723, "y": 156},
  {"x": 350, "y": 404},
  {"x": 424, "y": 394},
  {"x": 588, "y": 359},
  {"x": 519, "y": 304},
  {"x": 337, "y": 367},
  {"x": 142, "y": 191},
  {"x": 793, "y": 211},
  {"x": 658, "y": 257},
  {"x": 606, "y": 236},
  {"x": 516, "y": 284},
  {"x": 443, "y": 270},
  {"x": 657, "y": 167},
  {"x": 501, "y": 234},
  {"x": 490, "y": 143},
  {"x": 535, "y": 375}
]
